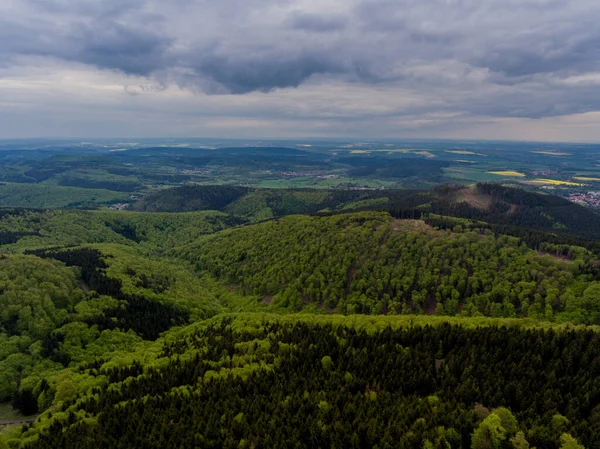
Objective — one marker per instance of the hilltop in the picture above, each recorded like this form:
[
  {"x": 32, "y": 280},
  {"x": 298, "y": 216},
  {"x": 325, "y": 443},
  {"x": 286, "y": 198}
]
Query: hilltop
[{"x": 491, "y": 203}]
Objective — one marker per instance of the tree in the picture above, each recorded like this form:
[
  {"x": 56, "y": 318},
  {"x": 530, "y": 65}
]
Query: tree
[
  {"x": 25, "y": 402},
  {"x": 326, "y": 362},
  {"x": 568, "y": 442},
  {"x": 509, "y": 422},
  {"x": 489, "y": 434},
  {"x": 559, "y": 425},
  {"x": 519, "y": 441}
]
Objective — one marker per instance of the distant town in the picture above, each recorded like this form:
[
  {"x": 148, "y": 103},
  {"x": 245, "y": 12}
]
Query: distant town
[{"x": 590, "y": 199}]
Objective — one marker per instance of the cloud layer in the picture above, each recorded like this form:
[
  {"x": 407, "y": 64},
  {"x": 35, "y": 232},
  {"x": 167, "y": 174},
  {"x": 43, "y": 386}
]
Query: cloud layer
[{"x": 436, "y": 60}]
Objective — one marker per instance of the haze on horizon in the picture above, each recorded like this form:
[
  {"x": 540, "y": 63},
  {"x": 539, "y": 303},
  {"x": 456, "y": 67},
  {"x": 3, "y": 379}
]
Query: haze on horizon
[{"x": 458, "y": 69}]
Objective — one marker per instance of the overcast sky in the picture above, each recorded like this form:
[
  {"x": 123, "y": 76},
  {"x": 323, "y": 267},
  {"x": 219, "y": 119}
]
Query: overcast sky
[{"x": 481, "y": 69}]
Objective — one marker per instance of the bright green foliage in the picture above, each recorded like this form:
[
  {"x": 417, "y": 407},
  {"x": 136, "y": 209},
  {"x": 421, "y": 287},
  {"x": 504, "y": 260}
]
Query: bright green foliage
[
  {"x": 568, "y": 442},
  {"x": 519, "y": 441},
  {"x": 326, "y": 363},
  {"x": 36, "y": 295},
  {"x": 148, "y": 232},
  {"x": 159, "y": 280},
  {"x": 508, "y": 420},
  {"x": 489, "y": 434},
  {"x": 77, "y": 333},
  {"x": 559, "y": 424},
  {"x": 381, "y": 388},
  {"x": 368, "y": 263}
]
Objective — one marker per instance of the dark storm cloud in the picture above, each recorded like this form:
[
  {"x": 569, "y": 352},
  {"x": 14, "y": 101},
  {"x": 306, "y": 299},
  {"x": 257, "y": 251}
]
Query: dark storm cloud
[
  {"x": 553, "y": 54},
  {"x": 497, "y": 57},
  {"x": 116, "y": 46},
  {"x": 103, "y": 34},
  {"x": 241, "y": 75}
]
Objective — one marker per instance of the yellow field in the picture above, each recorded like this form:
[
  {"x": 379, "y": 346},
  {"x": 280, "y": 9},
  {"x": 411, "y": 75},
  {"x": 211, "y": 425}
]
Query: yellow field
[
  {"x": 459, "y": 152},
  {"x": 556, "y": 182},
  {"x": 584, "y": 178},
  {"x": 553, "y": 153},
  {"x": 514, "y": 174}
]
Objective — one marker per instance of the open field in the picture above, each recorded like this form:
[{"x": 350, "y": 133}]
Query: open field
[
  {"x": 468, "y": 173},
  {"x": 585, "y": 178},
  {"x": 514, "y": 174},
  {"x": 555, "y": 182}
]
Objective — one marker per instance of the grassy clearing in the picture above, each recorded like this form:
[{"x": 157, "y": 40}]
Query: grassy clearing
[
  {"x": 509, "y": 173},
  {"x": 8, "y": 413}
]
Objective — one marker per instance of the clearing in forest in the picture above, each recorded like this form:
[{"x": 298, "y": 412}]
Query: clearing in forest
[
  {"x": 411, "y": 225},
  {"x": 474, "y": 198}
]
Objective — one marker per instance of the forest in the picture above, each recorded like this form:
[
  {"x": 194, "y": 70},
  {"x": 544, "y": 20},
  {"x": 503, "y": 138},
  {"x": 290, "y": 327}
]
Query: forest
[
  {"x": 227, "y": 316},
  {"x": 264, "y": 381},
  {"x": 508, "y": 208}
]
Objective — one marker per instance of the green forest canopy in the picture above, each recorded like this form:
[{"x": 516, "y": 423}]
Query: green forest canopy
[{"x": 102, "y": 297}]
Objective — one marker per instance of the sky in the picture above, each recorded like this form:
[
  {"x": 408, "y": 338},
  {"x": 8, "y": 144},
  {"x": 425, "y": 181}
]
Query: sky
[{"x": 463, "y": 69}]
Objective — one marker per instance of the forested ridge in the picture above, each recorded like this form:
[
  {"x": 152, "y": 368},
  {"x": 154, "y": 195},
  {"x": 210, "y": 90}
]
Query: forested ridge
[
  {"x": 368, "y": 263},
  {"x": 495, "y": 204},
  {"x": 420, "y": 326}
]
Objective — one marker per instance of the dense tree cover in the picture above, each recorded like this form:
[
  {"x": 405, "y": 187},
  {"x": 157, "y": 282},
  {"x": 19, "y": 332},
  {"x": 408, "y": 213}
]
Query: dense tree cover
[
  {"x": 508, "y": 207},
  {"x": 264, "y": 203},
  {"x": 50, "y": 196},
  {"x": 296, "y": 383},
  {"x": 107, "y": 184},
  {"x": 384, "y": 168},
  {"x": 119, "y": 272},
  {"x": 191, "y": 198},
  {"x": 367, "y": 263},
  {"x": 35, "y": 295},
  {"x": 30, "y": 229},
  {"x": 517, "y": 207},
  {"x": 147, "y": 318},
  {"x": 90, "y": 325},
  {"x": 533, "y": 238},
  {"x": 52, "y": 316}
]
